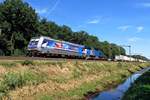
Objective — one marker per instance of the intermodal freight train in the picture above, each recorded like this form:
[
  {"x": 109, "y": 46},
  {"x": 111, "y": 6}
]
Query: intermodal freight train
[
  {"x": 127, "y": 58},
  {"x": 46, "y": 46}
]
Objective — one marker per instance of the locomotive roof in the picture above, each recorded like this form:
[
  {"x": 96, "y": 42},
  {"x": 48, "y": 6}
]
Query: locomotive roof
[{"x": 63, "y": 41}]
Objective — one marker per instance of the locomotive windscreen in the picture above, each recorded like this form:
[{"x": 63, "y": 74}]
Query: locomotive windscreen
[{"x": 33, "y": 44}]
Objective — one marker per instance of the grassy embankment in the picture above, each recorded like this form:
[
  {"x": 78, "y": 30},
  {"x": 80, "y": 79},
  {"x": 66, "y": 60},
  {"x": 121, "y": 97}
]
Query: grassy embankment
[
  {"x": 63, "y": 80},
  {"x": 140, "y": 90}
]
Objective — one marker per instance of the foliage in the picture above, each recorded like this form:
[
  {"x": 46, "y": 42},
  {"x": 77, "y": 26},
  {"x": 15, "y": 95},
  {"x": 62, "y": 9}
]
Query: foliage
[
  {"x": 19, "y": 22},
  {"x": 27, "y": 62},
  {"x": 13, "y": 80},
  {"x": 140, "y": 90},
  {"x": 140, "y": 57}
]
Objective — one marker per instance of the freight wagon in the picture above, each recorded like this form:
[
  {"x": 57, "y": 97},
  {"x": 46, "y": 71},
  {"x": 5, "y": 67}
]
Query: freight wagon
[{"x": 127, "y": 58}]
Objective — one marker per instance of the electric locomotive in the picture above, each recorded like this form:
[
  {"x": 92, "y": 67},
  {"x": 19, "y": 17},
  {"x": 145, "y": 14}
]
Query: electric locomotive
[{"x": 46, "y": 46}]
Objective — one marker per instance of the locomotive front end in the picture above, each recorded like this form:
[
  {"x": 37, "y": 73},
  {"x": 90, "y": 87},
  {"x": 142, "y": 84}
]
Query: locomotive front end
[{"x": 33, "y": 48}]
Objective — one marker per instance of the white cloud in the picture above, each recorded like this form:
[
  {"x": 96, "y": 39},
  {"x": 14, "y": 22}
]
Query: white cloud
[
  {"x": 42, "y": 11},
  {"x": 139, "y": 29},
  {"x": 93, "y": 21},
  {"x": 134, "y": 39},
  {"x": 98, "y": 20},
  {"x": 145, "y": 5},
  {"x": 124, "y": 27}
]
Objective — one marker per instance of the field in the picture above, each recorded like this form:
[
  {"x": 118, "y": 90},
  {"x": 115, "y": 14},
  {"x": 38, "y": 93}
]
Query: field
[
  {"x": 60, "y": 80},
  {"x": 140, "y": 90}
]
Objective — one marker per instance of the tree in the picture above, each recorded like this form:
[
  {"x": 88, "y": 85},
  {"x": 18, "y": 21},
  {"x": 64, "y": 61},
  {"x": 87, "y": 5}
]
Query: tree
[
  {"x": 19, "y": 23},
  {"x": 3, "y": 44},
  {"x": 140, "y": 57},
  {"x": 79, "y": 37},
  {"x": 65, "y": 33},
  {"x": 19, "y": 20},
  {"x": 48, "y": 28}
]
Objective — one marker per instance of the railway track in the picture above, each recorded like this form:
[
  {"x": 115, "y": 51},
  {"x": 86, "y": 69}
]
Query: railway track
[
  {"x": 40, "y": 58},
  {"x": 28, "y": 58}
]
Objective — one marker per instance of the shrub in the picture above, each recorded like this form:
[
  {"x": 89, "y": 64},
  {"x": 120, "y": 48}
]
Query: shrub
[
  {"x": 140, "y": 90},
  {"x": 33, "y": 78},
  {"x": 119, "y": 64},
  {"x": 3, "y": 90},
  {"x": 27, "y": 62},
  {"x": 2, "y": 53},
  {"x": 18, "y": 52},
  {"x": 13, "y": 80}
]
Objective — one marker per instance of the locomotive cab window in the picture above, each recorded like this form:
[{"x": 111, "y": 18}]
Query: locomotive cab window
[
  {"x": 45, "y": 41},
  {"x": 33, "y": 42}
]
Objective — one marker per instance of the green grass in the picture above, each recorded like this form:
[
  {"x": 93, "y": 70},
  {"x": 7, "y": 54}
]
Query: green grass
[
  {"x": 59, "y": 79},
  {"x": 79, "y": 92},
  {"x": 140, "y": 90},
  {"x": 54, "y": 63},
  {"x": 27, "y": 63},
  {"x": 8, "y": 65},
  {"x": 13, "y": 80},
  {"x": 71, "y": 79},
  {"x": 76, "y": 93},
  {"x": 77, "y": 73},
  {"x": 45, "y": 97}
]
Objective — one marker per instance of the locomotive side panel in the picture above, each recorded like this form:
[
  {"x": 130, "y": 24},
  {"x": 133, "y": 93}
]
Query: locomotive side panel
[{"x": 60, "y": 47}]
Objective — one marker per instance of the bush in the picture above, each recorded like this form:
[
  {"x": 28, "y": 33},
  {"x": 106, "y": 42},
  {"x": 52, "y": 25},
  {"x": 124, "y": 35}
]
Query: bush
[
  {"x": 2, "y": 53},
  {"x": 13, "y": 80},
  {"x": 18, "y": 52},
  {"x": 119, "y": 64},
  {"x": 140, "y": 90},
  {"x": 27, "y": 62},
  {"x": 3, "y": 90},
  {"x": 33, "y": 78}
]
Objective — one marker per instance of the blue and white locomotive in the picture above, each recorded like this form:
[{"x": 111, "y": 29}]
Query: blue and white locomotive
[{"x": 50, "y": 47}]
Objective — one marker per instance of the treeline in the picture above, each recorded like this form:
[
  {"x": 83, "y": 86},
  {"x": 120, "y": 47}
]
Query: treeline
[
  {"x": 140, "y": 57},
  {"x": 19, "y": 22}
]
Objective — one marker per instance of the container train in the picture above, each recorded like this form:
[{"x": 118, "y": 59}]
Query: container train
[
  {"x": 128, "y": 59},
  {"x": 46, "y": 46}
]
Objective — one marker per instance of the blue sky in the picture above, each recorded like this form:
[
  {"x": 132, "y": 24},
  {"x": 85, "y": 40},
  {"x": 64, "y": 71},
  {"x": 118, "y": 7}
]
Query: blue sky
[{"x": 124, "y": 22}]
